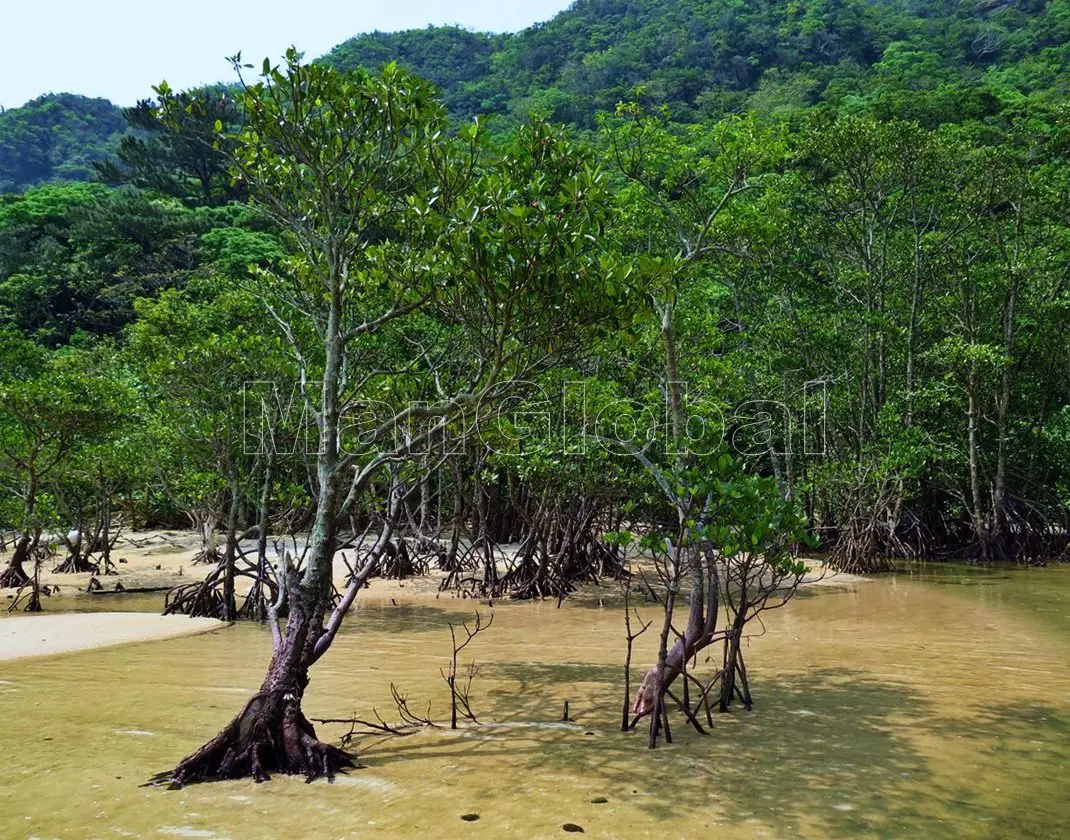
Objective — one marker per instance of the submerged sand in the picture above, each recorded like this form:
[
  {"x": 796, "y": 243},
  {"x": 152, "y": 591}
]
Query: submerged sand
[
  {"x": 925, "y": 705},
  {"x": 47, "y": 634}
]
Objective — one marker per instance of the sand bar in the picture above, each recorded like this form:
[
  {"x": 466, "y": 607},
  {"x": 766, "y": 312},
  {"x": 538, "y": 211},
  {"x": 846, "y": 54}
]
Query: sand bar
[{"x": 46, "y": 634}]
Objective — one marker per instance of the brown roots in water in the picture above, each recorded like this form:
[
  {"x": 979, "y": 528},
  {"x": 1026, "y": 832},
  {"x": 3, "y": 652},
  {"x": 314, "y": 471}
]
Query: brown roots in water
[
  {"x": 209, "y": 598},
  {"x": 270, "y": 735},
  {"x": 864, "y": 547}
]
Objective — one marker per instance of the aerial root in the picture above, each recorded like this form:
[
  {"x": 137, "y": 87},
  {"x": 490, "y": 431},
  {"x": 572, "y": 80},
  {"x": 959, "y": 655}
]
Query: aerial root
[{"x": 260, "y": 741}]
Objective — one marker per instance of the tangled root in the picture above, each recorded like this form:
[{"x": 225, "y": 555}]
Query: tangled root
[
  {"x": 13, "y": 577},
  {"x": 270, "y": 735}
]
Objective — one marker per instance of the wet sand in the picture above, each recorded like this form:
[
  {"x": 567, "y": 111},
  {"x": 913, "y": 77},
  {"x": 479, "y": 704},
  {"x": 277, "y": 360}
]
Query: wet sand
[{"x": 45, "y": 634}]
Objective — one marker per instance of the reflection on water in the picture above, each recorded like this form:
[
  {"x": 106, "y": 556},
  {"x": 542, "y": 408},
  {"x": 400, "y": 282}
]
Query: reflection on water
[
  {"x": 69, "y": 599},
  {"x": 932, "y": 704}
]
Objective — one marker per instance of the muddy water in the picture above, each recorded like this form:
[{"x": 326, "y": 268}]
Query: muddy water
[{"x": 933, "y": 704}]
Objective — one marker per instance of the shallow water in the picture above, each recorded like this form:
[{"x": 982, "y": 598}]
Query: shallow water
[{"x": 933, "y": 704}]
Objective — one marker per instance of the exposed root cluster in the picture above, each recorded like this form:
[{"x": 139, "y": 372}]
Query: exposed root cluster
[{"x": 270, "y": 735}]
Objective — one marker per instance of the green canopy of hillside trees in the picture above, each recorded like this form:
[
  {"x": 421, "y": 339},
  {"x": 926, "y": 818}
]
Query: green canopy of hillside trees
[
  {"x": 933, "y": 61},
  {"x": 56, "y": 137}
]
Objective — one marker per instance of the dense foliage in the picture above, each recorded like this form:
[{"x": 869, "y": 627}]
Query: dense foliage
[
  {"x": 56, "y": 137},
  {"x": 932, "y": 61},
  {"x": 185, "y": 161},
  {"x": 74, "y": 258}
]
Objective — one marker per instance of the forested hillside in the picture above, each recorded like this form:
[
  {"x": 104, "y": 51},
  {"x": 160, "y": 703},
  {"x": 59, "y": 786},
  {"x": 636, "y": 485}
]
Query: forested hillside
[
  {"x": 56, "y": 137},
  {"x": 933, "y": 61},
  {"x": 938, "y": 60}
]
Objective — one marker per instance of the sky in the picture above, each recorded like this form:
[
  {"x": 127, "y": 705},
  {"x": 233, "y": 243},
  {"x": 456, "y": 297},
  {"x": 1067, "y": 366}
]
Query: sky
[{"x": 119, "y": 49}]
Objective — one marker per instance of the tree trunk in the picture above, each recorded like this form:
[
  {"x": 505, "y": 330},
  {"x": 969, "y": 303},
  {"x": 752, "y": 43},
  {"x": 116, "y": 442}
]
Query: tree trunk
[
  {"x": 974, "y": 423},
  {"x": 425, "y": 496},
  {"x": 998, "y": 519},
  {"x": 230, "y": 606},
  {"x": 912, "y": 330},
  {"x": 263, "y": 522},
  {"x": 271, "y": 734},
  {"x": 660, "y": 684},
  {"x": 731, "y": 661},
  {"x": 673, "y": 385},
  {"x": 206, "y": 522},
  {"x": 105, "y": 533},
  {"x": 699, "y": 634}
]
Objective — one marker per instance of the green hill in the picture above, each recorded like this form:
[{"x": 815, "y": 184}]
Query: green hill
[
  {"x": 56, "y": 137},
  {"x": 933, "y": 61},
  {"x": 458, "y": 61},
  {"x": 937, "y": 61}
]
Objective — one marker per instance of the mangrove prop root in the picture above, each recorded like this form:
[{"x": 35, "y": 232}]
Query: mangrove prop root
[
  {"x": 14, "y": 576},
  {"x": 270, "y": 735},
  {"x": 76, "y": 563},
  {"x": 208, "y": 597}
]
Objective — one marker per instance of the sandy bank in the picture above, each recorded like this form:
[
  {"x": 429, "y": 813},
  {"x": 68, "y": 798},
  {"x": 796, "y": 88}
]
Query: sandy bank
[
  {"x": 46, "y": 634},
  {"x": 158, "y": 560},
  {"x": 819, "y": 573}
]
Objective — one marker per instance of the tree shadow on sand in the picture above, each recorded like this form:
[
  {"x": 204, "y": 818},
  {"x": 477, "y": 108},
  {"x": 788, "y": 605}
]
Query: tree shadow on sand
[{"x": 1015, "y": 782}]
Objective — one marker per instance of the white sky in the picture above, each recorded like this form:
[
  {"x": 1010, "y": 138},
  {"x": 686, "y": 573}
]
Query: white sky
[{"x": 120, "y": 48}]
